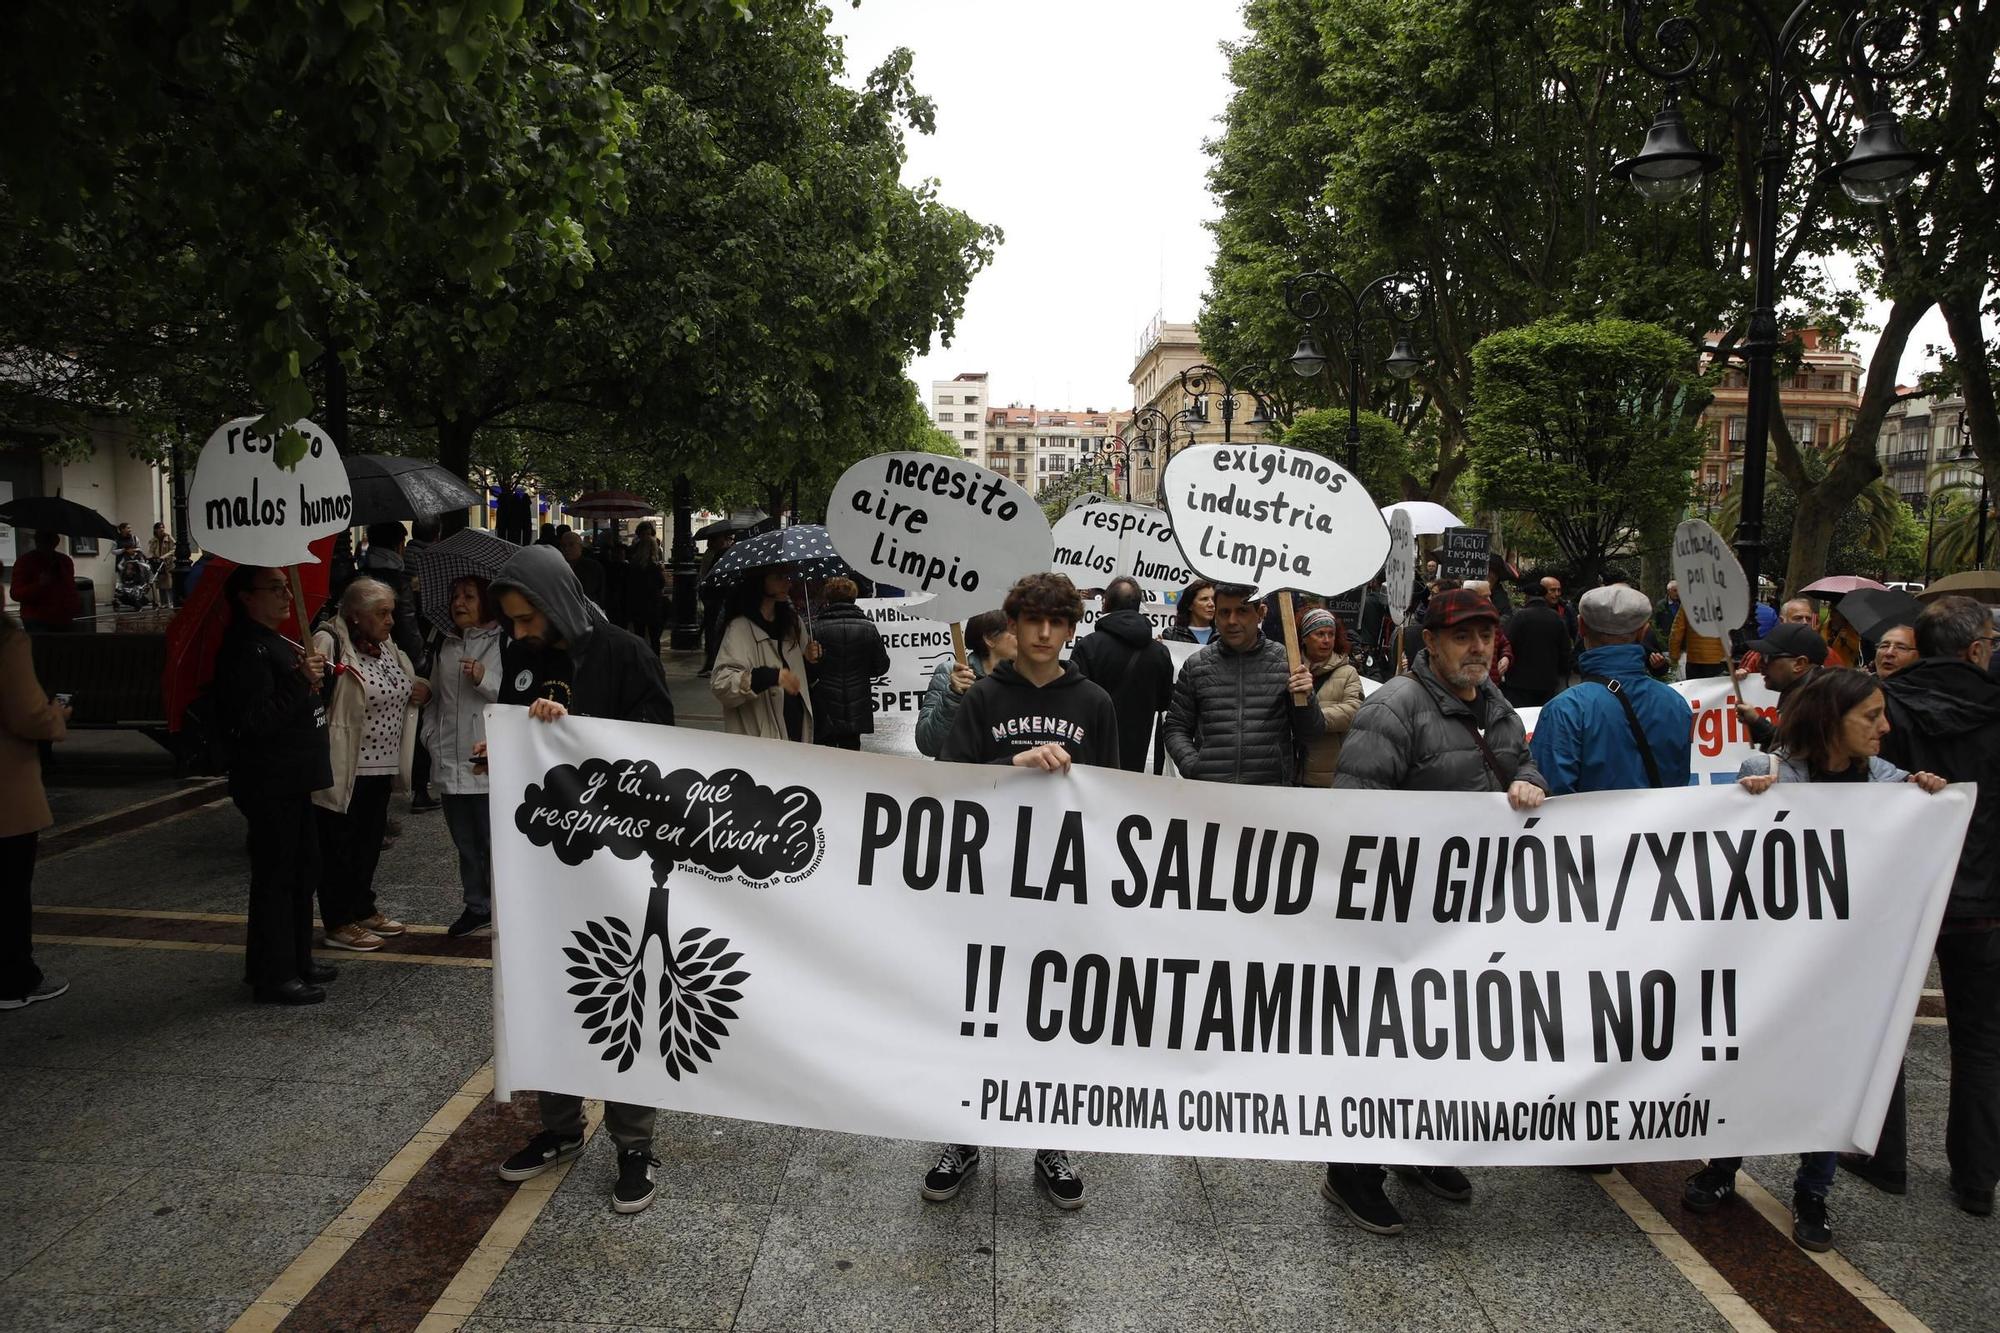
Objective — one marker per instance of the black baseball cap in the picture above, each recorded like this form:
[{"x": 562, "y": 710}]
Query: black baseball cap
[{"x": 1787, "y": 640}]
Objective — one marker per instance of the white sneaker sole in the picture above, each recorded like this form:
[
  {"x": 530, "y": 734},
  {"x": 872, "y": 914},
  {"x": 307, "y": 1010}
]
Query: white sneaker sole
[
  {"x": 1328, "y": 1193},
  {"x": 1067, "y": 1205},
  {"x": 27, "y": 1000},
  {"x": 332, "y": 943},
  {"x": 516, "y": 1175},
  {"x": 619, "y": 1205}
]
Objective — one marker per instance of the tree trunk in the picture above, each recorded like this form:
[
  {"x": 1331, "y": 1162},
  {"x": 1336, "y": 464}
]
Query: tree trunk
[
  {"x": 1822, "y": 503},
  {"x": 1961, "y": 319},
  {"x": 455, "y": 456}
]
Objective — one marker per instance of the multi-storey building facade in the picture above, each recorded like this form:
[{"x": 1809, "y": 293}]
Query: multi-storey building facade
[
  {"x": 1919, "y": 447},
  {"x": 958, "y": 408},
  {"x": 1819, "y": 401}
]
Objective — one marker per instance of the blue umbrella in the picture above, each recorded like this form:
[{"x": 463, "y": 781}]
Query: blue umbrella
[{"x": 804, "y": 546}]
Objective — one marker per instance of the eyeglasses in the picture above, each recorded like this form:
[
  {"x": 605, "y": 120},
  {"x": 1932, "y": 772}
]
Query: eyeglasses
[{"x": 269, "y": 587}]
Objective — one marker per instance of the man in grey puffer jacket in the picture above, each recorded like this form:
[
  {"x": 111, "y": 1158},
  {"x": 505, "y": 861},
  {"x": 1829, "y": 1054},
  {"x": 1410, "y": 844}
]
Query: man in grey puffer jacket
[
  {"x": 1442, "y": 727},
  {"x": 1233, "y": 718}
]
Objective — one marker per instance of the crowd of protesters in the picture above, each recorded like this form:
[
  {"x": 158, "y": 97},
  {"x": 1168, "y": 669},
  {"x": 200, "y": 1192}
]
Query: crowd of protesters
[{"x": 322, "y": 733}]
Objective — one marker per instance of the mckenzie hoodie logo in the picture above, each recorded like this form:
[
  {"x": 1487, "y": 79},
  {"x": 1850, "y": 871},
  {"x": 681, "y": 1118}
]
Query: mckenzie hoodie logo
[{"x": 1043, "y": 729}]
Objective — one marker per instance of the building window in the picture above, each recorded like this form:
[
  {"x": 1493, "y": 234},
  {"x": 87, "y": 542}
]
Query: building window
[
  {"x": 944, "y": 400},
  {"x": 972, "y": 400},
  {"x": 972, "y": 435}
]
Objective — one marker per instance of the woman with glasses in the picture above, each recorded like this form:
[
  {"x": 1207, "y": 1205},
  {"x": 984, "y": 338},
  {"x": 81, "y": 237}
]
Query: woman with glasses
[
  {"x": 1831, "y": 730},
  {"x": 267, "y": 694}
]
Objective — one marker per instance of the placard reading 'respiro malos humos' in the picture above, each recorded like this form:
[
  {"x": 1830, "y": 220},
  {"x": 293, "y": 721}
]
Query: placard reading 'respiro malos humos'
[
  {"x": 244, "y": 506},
  {"x": 1096, "y": 543},
  {"x": 1272, "y": 517},
  {"x": 942, "y": 528}
]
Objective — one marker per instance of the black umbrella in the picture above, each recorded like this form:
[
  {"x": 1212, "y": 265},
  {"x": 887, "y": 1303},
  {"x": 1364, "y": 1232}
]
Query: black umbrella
[
  {"x": 1873, "y": 610},
  {"x": 52, "y": 513},
  {"x": 739, "y": 520},
  {"x": 804, "y": 546},
  {"x": 386, "y": 489}
]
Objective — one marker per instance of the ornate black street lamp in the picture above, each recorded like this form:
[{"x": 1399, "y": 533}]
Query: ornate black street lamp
[
  {"x": 1871, "y": 52},
  {"x": 1135, "y": 453},
  {"x": 1157, "y": 432},
  {"x": 1198, "y": 382},
  {"x": 1310, "y": 299}
]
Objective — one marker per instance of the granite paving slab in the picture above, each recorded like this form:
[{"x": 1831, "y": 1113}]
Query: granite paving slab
[
  {"x": 871, "y": 1271},
  {"x": 1128, "y": 1276}
]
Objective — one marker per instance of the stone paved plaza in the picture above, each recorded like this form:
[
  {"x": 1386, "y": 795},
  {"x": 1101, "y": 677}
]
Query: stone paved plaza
[{"x": 178, "y": 1158}]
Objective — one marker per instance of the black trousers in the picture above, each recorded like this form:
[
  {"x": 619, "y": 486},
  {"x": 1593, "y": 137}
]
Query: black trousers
[
  {"x": 1969, "y": 964},
  {"x": 284, "y": 872},
  {"x": 18, "y": 973},
  {"x": 1704, "y": 670},
  {"x": 352, "y": 844},
  {"x": 839, "y": 742}
]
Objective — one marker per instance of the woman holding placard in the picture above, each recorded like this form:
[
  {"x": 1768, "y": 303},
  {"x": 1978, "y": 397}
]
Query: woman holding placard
[
  {"x": 371, "y": 739},
  {"x": 760, "y": 675},
  {"x": 1194, "y": 614},
  {"x": 988, "y": 643}
]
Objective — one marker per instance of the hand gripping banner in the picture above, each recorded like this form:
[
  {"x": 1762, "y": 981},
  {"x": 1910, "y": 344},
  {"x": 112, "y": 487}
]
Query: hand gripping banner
[{"x": 1103, "y": 961}]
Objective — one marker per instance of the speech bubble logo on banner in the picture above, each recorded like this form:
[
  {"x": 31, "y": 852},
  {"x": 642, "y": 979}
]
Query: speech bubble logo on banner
[
  {"x": 244, "y": 506},
  {"x": 723, "y": 822},
  {"x": 1399, "y": 576},
  {"x": 942, "y": 528},
  {"x": 1715, "y": 595},
  {"x": 1096, "y": 543},
  {"x": 1273, "y": 517}
]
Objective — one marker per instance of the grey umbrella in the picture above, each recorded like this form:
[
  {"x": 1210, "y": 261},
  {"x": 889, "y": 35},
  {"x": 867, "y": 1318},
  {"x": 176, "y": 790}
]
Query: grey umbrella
[{"x": 387, "y": 488}]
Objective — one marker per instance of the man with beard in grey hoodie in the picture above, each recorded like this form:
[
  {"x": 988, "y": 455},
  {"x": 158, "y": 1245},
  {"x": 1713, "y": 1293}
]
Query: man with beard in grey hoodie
[{"x": 567, "y": 658}]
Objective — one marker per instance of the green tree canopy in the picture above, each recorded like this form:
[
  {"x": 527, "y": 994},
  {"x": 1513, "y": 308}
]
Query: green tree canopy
[{"x": 1589, "y": 427}]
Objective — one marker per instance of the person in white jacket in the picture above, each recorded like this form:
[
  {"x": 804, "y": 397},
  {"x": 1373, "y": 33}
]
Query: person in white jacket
[{"x": 464, "y": 679}]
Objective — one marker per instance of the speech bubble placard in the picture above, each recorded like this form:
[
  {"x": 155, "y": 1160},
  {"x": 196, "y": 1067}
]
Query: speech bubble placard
[
  {"x": 1399, "y": 576},
  {"x": 244, "y": 507},
  {"x": 1715, "y": 596},
  {"x": 1096, "y": 543},
  {"x": 1273, "y": 517},
  {"x": 941, "y": 528}
]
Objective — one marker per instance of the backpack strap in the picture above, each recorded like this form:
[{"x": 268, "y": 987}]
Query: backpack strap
[{"x": 1632, "y": 721}]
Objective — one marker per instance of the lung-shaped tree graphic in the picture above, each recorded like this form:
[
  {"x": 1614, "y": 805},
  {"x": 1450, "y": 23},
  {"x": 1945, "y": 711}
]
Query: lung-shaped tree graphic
[{"x": 723, "y": 822}]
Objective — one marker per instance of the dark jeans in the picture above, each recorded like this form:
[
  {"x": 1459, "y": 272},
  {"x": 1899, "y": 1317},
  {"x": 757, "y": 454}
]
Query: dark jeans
[
  {"x": 420, "y": 773},
  {"x": 18, "y": 973},
  {"x": 469, "y": 819},
  {"x": 838, "y": 742},
  {"x": 631, "y": 1126},
  {"x": 1969, "y": 964},
  {"x": 284, "y": 872},
  {"x": 1704, "y": 670},
  {"x": 351, "y": 844},
  {"x": 1815, "y": 1174}
]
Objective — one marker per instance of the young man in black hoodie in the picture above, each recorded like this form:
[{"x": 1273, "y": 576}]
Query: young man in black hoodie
[
  {"x": 1036, "y": 711},
  {"x": 1944, "y": 717},
  {"x": 589, "y": 667},
  {"x": 1134, "y": 668}
]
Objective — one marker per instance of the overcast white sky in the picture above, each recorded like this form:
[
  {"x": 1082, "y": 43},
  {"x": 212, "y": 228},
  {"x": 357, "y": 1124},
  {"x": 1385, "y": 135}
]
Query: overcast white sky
[{"x": 1077, "y": 127}]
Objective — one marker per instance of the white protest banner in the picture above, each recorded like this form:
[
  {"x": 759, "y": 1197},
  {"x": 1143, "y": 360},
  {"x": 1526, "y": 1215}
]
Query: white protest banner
[
  {"x": 244, "y": 507},
  {"x": 1715, "y": 595},
  {"x": 938, "y": 527},
  {"x": 1112, "y": 962},
  {"x": 1273, "y": 517},
  {"x": 1720, "y": 742},
  {"x": 1399, "y": 576},
  {"x": 1096, "y": 543}
]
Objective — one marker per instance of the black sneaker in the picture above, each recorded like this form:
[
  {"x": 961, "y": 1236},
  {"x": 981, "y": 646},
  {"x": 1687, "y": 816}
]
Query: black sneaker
[
  {"x": 320, "y": 973},
  {"x": 1709, "y": 1188},
  {"x": 1360, "y": 1193},
  {"x": 1058, "y": 1179},
  {"x": 1811, "y": 1227},
  {"x": 469, "y": 921},
  {"x": 541, "y": 1152},
  {"x": 635, "y": 1187},
  {"x": 947, "y": 1178},
  {"x": 48, "y": 989},
  {"x": 1447, "y": 1182}
]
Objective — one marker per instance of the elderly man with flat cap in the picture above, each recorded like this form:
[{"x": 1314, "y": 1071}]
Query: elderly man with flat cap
[{"x": 1619, "y": 729}]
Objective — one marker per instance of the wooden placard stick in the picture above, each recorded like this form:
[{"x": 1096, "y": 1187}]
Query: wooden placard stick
[
  {"x": 957, "y": 643},
  {"x": 299, "y": 602},
  {"x": 1291, "y": 641}
]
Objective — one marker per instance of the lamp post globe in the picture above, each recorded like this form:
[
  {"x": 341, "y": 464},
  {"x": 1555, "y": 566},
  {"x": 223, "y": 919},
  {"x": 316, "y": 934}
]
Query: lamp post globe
[
  {"x": 1308, "y": 360},
  {"x": 1403, "y": 360},
  {"x": 1882, "y": 165},
  {"x": 1669, "y": 165}
]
